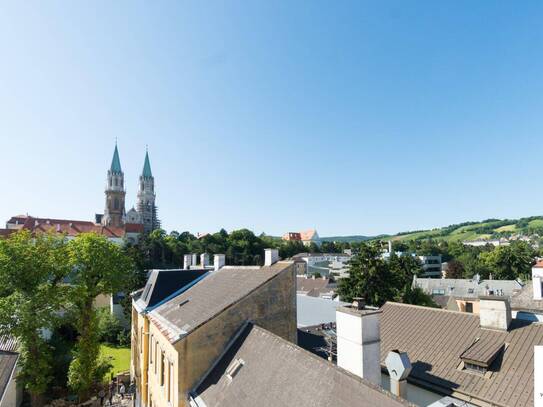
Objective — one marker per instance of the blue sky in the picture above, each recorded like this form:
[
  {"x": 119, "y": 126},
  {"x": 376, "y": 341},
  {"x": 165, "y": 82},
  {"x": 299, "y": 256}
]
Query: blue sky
[{"x": 354, "y": 117}]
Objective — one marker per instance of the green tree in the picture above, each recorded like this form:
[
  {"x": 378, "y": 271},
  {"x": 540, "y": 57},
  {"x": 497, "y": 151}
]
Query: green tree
[
  {"x": 100, "y": 267},
  {"x": 31, "y": 268},
  {"x": 510, "y": 262},
  {"x": 455, "y": 269},
  {"x": 369, "y": 277}
]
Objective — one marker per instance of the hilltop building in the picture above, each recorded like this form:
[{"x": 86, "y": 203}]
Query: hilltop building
[{"x": 306, "y": 237}]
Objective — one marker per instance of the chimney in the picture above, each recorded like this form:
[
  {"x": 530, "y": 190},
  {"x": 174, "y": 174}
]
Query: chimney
[
  {"x": 538, "y": 376},
  {"x": 219, "y": 261},
  {"x": 390, "y": 246},
  {"x": 204, "y": 260},
  {"x": 494, "y": 312},
  {"x": 271, "y": 256},
  {"x": 194, "y": 261},
  {"x": 359, "y": 341},
  {"x": 399, "y": 367},
  {"x": 187, "y": 261}
]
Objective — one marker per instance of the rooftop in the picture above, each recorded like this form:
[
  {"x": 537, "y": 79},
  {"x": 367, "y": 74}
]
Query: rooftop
[
  {"x": 210, "y": 296},
  {"x": 262, "y": 369},
  {"x": 435, "y": 340}
]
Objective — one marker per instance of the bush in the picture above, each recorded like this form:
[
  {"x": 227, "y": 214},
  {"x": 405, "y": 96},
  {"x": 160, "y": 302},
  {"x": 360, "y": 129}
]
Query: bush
[
  {"x": 123, "y": 338},
  {"x": 109, "y": 327}
]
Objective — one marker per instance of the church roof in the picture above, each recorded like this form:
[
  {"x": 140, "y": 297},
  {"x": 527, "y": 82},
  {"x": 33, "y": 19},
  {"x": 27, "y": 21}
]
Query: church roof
[
  {"x": 116, "y": 162},
  {"x": 147, "y": 167}
]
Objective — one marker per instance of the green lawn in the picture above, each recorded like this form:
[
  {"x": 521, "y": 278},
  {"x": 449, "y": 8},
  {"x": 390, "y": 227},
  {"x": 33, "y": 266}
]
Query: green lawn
[{"x": 120, "y": 357}]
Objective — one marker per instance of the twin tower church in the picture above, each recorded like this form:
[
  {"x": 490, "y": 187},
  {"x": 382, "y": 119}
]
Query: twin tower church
[{"x": 145, "y": 212}]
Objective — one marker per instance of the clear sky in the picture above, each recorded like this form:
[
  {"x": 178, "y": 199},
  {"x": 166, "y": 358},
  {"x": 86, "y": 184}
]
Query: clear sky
[{"x": 353, "y": 117}]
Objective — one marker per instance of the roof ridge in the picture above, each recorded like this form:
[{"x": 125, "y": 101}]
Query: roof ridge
[{"x": 428, "y": 308}]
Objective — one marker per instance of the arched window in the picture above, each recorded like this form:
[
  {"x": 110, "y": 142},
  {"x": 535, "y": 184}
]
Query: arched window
[{"x": 116, "y": 203}]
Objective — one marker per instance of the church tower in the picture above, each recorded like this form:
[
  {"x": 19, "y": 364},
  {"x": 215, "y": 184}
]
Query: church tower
[
  {"x": 146, "y": 198},
  {"x": 114, "y": 212}
]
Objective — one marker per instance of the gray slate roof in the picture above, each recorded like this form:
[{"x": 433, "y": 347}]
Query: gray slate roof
[
  {"x": 524, "y": 300},
  {"x": 462, "y": 287},
  {"x": 277, "y": 373},
  {"x": 435, "y": 339},
  {"x": 209, "y": 297}
]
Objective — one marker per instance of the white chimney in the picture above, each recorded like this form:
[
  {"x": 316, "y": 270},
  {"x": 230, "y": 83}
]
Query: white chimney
[
  {"x": 187, "y": 260},
  {"x": 390, "y": 246},
  {"x": 194, "y": 261},
  {"x": 204, "y": 259},
  {"x": 399, "y": 367},
  {"x": 219, "y": 260},
  {"x": 538, "y": 376},
  {"x": 359, "y": 341},
  {"x": 271, "y": 256},
  {"x": 494, "y": 312},
  {"x": 537, "y": 281}
]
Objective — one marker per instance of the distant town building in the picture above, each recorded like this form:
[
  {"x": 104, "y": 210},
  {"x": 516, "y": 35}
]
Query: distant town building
[
  {"x": 431, "y": 266},
  {"x": 306, "y": 237},
  {"x": 312, "y": 286},
  {"x": 326, "y": 264}
]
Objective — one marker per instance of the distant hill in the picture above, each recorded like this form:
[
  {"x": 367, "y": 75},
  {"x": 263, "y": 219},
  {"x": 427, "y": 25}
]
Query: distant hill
[{"x": 486, "y": 229}]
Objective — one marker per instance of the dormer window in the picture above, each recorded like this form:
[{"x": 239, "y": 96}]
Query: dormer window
[{"x": 478, "y": 358}]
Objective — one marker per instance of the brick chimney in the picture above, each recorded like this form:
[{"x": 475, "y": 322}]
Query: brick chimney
[
  {"x": 271, "y": 256},
  {"x": 219, "y": 260},
  {"x": 494, "y": 312},
  {"x": 359, "y": 340}
]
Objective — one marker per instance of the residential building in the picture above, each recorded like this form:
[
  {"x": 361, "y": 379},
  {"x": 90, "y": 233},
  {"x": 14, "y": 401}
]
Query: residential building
[
  {"x": 306, "y": 237},
  {"x": 463, "y": 294},
  {"x": 11, "y": 392},
  {"x": 193, "y": 326},
  {"x": 431, "y": 266},
  {"x": 537, "y": 280},
  {"x": 326, "y": 264}
]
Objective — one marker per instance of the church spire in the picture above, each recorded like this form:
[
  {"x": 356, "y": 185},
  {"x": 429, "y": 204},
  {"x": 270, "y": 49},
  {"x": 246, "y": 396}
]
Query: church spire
[
  {"x": 116, "y": 162},
  {"x": 147, "y": 166}
]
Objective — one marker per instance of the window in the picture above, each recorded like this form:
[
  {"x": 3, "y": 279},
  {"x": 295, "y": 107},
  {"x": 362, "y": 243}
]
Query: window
[
  {"x": 156, "y": 357},
  {"x": 475, "y": 368},
  {"x": 170, "y": 381},
  {"x": 162, "y": 368},
  {"x": 151, "y": 350},
  {"x": 116, "y": 203},
  {"x": 438, "y": 291},
  {"x": 469, "y": 307},
  {"x": 141, "y": 340},
  {"x": 470, "y": 291}
]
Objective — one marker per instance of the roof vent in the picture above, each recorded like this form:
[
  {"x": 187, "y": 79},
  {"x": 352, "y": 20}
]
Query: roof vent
[{"x": 234, "y": 368}]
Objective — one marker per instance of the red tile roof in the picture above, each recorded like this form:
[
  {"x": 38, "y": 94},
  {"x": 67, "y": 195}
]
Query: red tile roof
[
  {"x": 65, "y": 226},
  {"x": 133, "y": 227}
]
